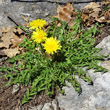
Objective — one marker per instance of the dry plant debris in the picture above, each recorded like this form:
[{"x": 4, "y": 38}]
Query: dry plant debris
[
  {"x": 66, "y": 13},
  {"x": 94, "y": 12},
  {"x": 10, "y": 39}
]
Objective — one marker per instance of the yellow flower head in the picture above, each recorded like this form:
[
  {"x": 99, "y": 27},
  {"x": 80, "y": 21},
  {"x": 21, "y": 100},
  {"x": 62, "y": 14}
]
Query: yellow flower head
[
  {"x": 39, "y": 36},
  {"x": 52, "y": 45},
  {"x": 35, "y": 24}
]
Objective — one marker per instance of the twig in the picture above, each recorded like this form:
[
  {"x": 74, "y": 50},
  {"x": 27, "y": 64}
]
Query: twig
[{"x": 11, "y": 18}]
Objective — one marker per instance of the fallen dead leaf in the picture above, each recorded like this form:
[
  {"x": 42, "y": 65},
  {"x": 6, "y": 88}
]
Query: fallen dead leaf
[
  {"x": 95, "y": 13},
  {"x": 16, "y": 40},
  {"x": 92, "y": 5},
  {"x": 2, "y": 45},
  {"x": 18, "y": 30},
  {"x": 25, "y": 19},
  {"x": 11, "y": 37},
  {"x": 6, "y": 38},
  {"x": 105, "y": 2},
  {"x": 11, "y": 52},
  {"x": 105, "y": 18},
  {"x": 91, "y": 14},
  {"x": 95, "y": 9},
  {"x": 5, "y": 29},
  {"x": 66, "y": 13},
  {"x": 84, "y": 17}
]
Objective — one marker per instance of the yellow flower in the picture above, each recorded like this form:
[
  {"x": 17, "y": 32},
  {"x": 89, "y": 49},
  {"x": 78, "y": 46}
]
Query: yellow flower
[
  {"x": 39, "y": 36},
  {"x": 35, "y": 24},
  {"x": 52, "y": 45}
]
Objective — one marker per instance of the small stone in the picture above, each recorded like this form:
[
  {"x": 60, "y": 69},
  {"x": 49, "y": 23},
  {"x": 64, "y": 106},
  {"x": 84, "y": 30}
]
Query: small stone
[
  {"x": 15, "y": 89},
  {"x": 54, "y": 105},
  {"x": 106, "y": 64},
  {"x": 105, "y": 46},
  {"x": 47, "y": 106},
  {"x": 103, "y": 81},
  {"x": 3, "y": 59},
  {"x": 38, "y": 11},
  {"x": 26, "y": 14},
  {"x": 39, "y": 107},
  {"x": 46, "y": 13}
]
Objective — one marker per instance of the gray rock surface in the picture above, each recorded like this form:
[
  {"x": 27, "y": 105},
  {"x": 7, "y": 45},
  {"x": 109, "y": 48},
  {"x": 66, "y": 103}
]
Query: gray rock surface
[
  {"x": 39, "y": 107},
  {"x": 32, "y": 9},
  {"x": 105, "y": 45},
  {"x": 29, "y": 10},
  {"x": 96, "y": 97},
  {"x": 46, "y": 106},
  {"x": 3, "y": 2}
]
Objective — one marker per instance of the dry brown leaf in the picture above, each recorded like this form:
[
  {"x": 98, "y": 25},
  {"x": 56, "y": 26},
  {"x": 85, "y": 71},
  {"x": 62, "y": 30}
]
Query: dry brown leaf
[
  {"x": 92, "y": 5},
  {"x": 84, "y": 17},
  {"x": 65, "y": 13},
  {"x": 105, "y": 2},
  {"x": 25, "y": 19},
  {"x": 18, "y": 30},
  {"x": 105, "y": 18},
  {"x": 99, "y": 13},
  {"x": 95, "y": 13},
  {"x": 10, "y": 40},
  {"x": 6, "y": 38},
  {"x": 2, "y": 45},
  {"x": 11, "y": 52},
  {"x": 26, "y": 24},
  {"x": 5, "y": 29},
  {"x": 102, "y": 20},
  {"x": 95, "y": 9},
  {"x": 91, "y": 13},
  {"x": 16, "y": 40}
]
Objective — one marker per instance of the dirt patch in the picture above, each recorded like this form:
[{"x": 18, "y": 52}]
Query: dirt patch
[{"x": 9, "y": 101}]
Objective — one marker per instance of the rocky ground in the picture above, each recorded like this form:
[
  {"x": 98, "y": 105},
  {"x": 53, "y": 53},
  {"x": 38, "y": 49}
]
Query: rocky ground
[
  {"x": 32, "y": 9},
  {"x": 93, "y": 97}
]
